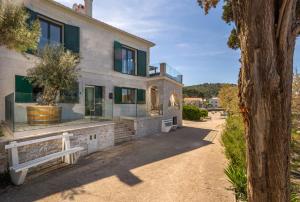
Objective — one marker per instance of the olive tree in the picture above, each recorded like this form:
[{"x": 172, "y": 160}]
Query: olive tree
[
  {"x": 16, "y": 32},
  {"x": 56, "y": 71},
  {"x": 265, "y": 31}
]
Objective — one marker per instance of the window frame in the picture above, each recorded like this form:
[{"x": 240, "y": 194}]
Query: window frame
[
  {"x": 134, "y": 51},
  {"x": 135, "y": 95},
  {"x": 50, "y": 22}
]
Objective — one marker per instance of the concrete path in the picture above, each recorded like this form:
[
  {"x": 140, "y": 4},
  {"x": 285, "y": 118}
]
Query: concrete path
[{"x": 185, "y": 165}]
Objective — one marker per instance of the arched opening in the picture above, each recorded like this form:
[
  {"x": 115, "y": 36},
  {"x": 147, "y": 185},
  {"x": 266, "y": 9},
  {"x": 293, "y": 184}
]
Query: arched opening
[{"x": 154, "y": 101}]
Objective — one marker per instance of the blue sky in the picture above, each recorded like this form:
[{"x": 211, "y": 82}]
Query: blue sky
[{"x": 185, "y": 38}]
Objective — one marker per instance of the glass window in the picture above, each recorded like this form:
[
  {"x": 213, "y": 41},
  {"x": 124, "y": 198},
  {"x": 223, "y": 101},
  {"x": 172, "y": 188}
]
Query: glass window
[
  {"x": 51, "y": 33},
  {"x": 128, "y": 61},
  {"x": 128, "y": 96},
  {"x": 71, "y": 95},
  {"x": 55, "y": 34}
]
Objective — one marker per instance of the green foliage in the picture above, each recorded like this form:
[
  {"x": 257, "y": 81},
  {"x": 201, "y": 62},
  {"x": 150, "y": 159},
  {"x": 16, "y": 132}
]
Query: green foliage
[
  {"x": 193, "y": 113},
  {"x": 233, "y": 40},
  {"x": 206, "y": 90},
  {"x": 238, "y": 178},
  {"x": 203, "y": 113},
  {"x": 229, "y": 100},
  {"x": 56, "y": 71},
  {"x": 235, "y": 150},
  {"x": 234, "y": 141},
  {"x": 15, "y": 32}
]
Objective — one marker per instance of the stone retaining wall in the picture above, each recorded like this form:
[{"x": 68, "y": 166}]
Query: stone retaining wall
[
  {"x": 148, "y": 126},
  {"x": 104, "y": 137}
]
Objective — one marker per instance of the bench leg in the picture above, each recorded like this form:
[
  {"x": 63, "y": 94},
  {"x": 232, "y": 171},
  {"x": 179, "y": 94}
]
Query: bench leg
[{"x": 18, "y": 178}]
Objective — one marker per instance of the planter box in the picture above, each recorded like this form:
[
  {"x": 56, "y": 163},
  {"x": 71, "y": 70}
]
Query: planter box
[{"x": 43, "y": 115}]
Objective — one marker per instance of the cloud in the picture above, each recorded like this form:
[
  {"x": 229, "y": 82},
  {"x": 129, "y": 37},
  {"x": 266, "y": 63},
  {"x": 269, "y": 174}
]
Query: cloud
[
  {"x": 183, "y": 45},
  {"x": 146, "y": 18}
]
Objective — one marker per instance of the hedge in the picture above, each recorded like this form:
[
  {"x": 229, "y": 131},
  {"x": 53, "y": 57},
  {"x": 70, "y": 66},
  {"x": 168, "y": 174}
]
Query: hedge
[{"x": 193, "y": 113}]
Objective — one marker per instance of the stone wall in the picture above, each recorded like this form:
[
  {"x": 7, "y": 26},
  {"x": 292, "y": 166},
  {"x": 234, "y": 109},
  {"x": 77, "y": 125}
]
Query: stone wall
[
  {"x": 104, "y": 137},
  {"x": 124, "y": 130},
  {"x": 148, "y": 126},
  {"x": 3, "y": 157}
]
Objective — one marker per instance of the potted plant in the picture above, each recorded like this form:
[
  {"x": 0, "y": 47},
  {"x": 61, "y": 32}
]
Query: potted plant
[{"x": 56, "y": 71}]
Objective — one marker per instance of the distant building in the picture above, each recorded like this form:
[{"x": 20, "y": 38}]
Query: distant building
[
  {"x": 194, "y": 101},
  {"x": 214, "y": 102}
]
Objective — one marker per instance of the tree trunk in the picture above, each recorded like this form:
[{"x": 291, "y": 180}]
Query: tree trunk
[{"x": 265, "y": 86}]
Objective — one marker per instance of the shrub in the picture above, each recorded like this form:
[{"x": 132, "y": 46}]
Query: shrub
[
  {"x": 234, "y": 141},
  {"x": 238, "y": 178},
  {"x": 191, "y": 113},
  {"x": 203, "y": 113},
  {"x": 235, "y": 150}
]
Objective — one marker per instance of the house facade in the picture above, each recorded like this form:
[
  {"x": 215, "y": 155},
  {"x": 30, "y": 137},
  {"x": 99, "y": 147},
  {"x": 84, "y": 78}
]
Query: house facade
[{"x": 115, "y": 73}]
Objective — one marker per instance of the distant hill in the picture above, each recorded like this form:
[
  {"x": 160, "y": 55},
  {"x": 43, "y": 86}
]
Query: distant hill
[{"x": 205, "y": 90}]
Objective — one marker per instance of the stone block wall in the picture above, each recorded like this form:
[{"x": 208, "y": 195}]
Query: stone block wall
[
  {"x": 104, "y": 134},
  {"x": 124, "y": 130},
  {"x": 148, "y": 126}
]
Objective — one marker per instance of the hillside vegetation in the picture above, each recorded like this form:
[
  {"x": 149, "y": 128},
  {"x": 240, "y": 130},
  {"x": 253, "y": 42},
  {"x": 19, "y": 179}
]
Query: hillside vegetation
[{"x": 205, "y": 90}]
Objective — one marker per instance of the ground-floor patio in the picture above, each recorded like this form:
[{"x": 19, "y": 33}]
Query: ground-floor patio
[{"x": 184, "y": 165}]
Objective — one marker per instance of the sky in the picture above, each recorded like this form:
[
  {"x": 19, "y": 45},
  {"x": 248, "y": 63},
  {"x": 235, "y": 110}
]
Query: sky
[{"x": 185, "y": 38}]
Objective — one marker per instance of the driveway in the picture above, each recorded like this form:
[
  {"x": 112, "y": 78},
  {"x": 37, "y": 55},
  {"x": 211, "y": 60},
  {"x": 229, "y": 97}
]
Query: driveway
[{"x": 184, "y": 165}]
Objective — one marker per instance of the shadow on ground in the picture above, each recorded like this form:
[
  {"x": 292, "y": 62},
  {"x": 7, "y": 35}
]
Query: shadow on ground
[{"x": 117, "y": 161}]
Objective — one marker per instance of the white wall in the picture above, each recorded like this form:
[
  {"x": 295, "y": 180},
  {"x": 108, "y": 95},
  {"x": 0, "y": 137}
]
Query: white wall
[{"x": 96, "y": 51}]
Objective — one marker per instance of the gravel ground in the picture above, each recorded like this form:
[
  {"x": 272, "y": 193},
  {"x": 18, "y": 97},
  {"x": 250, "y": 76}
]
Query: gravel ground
[{"x": 184, "y": 165}]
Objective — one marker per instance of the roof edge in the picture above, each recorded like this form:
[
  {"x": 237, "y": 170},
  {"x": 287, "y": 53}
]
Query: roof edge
[{"x": 151, "y": 44}]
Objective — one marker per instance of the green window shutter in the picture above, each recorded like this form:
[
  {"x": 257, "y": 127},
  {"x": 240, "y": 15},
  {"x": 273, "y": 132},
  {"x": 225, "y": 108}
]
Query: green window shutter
[
  {"x": 117, "y": 56},
  {"x": 98, "y": 100},
  {"x": 23, "y": 90},
  {"x": 118, "y": 95},
  {"x": 72, "y": 38},
  {"x": 141, "y": 63},
  {"x": 141, "y": 96}
]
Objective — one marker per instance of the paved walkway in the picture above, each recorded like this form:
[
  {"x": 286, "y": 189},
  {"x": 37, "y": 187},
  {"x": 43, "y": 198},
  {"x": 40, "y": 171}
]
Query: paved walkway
[{"x": 185, "y": 165}]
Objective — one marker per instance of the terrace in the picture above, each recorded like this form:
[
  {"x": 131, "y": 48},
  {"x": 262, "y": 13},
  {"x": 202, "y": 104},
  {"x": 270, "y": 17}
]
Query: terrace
[{"x": 164, "y": 69}]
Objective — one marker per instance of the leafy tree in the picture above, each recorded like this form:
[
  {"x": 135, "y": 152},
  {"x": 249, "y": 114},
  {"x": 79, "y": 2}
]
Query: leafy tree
[
  {"x": 266, "y": 33},
  {"x": 229, "y": 100},
  {"x": 56, "y": 71},
  {"x": 15, "y": 31},
  {"x": 205, "y": 90}
]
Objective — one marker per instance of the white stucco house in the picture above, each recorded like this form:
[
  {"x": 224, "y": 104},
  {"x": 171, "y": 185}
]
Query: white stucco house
[
  {"x": 116, "y": 78},
  {"x": 214, "y": 102}
]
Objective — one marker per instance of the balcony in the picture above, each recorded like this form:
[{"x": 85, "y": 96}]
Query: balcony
[{"x": 164, "y": 69}]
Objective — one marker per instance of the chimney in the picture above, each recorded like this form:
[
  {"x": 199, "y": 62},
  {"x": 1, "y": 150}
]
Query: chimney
[
  {"x": 79, "y": 8},
  {"x": 88, "y": 4}
]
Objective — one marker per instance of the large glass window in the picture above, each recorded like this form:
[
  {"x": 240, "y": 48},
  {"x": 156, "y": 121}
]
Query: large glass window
[
  {"x": 128, "y": 96},
  {"x": 128, "y": 61},
  {"x": 51, "y": 33}
]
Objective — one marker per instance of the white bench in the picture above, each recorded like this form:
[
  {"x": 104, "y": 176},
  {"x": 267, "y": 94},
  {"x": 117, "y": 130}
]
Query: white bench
[
  {"x": 18, "y": 171},
  {"x": 167, "y": 125}
]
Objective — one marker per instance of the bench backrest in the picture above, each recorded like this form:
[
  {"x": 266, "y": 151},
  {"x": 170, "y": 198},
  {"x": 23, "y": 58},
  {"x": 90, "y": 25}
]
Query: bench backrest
[{"x": 15, "y": 144}]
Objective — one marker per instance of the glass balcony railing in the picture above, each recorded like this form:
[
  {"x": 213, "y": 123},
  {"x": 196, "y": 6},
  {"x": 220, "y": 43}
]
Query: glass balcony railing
[{"x": 164, "y": 69}]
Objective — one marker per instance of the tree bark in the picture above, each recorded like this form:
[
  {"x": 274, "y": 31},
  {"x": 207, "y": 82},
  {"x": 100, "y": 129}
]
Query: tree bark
[{"x": 265, "y": 86}]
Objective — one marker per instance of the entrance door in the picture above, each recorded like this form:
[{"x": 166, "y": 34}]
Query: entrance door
[{"x": 93, "y": 101}]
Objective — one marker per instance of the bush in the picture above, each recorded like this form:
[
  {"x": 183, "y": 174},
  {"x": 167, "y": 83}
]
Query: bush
[
  {"x": 235, "y": 150},
  {"x": 193, "y": 113}
]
